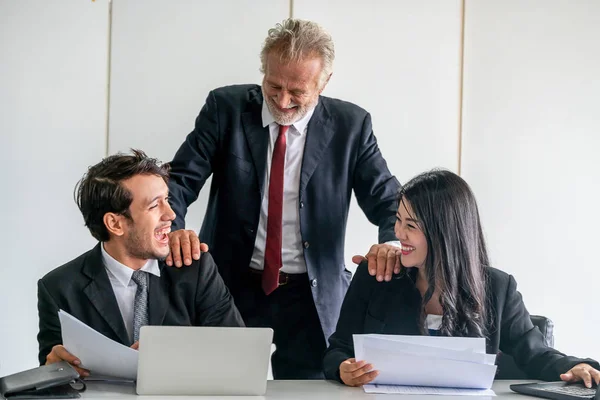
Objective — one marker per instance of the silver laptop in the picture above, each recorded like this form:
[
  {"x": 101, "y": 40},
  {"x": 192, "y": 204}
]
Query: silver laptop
[{"x": 184, "y": 360}]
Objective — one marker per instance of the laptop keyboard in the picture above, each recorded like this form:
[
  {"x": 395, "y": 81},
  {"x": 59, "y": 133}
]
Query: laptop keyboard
[{"x": 571, "y": 390}]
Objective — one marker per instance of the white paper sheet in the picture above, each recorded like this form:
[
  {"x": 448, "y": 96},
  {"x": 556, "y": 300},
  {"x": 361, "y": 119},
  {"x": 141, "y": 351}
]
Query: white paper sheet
[
  {"x": 389, "y": 389},
  {"x": 476, "y": 345},
  {"x": 438, "y": 362},
  {"x": 98, "y": 354},
  {"x": 438, "y": 351}
]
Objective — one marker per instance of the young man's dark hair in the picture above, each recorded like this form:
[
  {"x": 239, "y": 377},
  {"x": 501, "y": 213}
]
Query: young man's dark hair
[{"x": 100, "y": 191}]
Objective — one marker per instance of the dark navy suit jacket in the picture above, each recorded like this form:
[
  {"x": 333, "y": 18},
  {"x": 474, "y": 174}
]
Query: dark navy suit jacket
[
  {"x": 341, "y": 155},
  {"x": 192, "y": 296},
  {"x": 394, "y": 308}
]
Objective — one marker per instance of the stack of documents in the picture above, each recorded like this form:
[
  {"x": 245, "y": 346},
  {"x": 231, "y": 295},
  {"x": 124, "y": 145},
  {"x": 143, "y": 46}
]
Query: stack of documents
[
  {"x": 103, "y": 357},
  {"x": 446, "y": 365}
]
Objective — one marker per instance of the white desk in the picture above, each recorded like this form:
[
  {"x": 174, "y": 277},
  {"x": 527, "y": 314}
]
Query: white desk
[{"x": 288, "y": 390}]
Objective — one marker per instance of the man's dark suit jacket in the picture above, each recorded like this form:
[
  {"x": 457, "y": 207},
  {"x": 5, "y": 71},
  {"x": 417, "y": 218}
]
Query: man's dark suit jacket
[
  {"x": 341, "y": 155},
  {"x": 192, "y": 296},
  {"x": 394, "y": 308}
]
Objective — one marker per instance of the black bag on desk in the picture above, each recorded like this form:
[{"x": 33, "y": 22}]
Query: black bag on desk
[{"x": 46, "y": 382}]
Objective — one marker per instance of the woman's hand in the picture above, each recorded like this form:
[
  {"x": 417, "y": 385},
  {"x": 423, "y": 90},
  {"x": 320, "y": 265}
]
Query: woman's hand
[
  {"x": 357, "y": 373},
  {"x": 582, "y": 372}
]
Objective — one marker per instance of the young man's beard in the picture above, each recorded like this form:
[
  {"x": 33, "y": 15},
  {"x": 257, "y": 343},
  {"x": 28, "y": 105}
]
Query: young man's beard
[{"x": 137, "y": 247}]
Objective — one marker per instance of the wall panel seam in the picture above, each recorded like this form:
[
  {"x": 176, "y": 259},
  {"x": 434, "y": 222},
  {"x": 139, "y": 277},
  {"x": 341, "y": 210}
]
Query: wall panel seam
[{"x": 461, "y": 86}]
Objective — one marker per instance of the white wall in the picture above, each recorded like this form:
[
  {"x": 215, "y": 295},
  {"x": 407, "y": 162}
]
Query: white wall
[
  {"x": 530, "y": 122},
  {"x": 531, "y": 144},
  {"x": 165, "y": 60},
  {"x": 52, "y": 123},
  {"x": 400, "y": 60}
]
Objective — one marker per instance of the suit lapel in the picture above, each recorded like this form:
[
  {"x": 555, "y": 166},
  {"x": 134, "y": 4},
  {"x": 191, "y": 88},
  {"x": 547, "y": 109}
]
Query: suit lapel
[
  {"x": 402, "y": 317},
  {"x": 158, "y": 299},
  {"x": 257, "y": 137},
  {"x": 319, "y": 133},
  {"x": 100, "y": 293}
]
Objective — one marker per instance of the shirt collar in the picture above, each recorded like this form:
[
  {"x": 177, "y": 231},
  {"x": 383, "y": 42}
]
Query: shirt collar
[
  {"x": 122, "y": 272},
  {"x": 299, "y": 126}
]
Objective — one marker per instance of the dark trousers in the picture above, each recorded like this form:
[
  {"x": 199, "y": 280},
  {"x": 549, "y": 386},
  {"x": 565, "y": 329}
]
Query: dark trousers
[{"x": 290, "y": 311}]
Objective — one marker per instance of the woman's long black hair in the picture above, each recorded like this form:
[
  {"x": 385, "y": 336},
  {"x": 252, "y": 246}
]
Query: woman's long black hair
[{"x": 446, "y": 209}]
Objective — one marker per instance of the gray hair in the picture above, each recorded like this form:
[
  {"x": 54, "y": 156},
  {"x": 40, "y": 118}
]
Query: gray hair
[{"x": 295, "y": 39}]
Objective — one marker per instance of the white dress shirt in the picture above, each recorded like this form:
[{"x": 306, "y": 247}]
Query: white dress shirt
[
  {"x": 433, "y": 322},
  {"x": 124, "y": 287},
  {"x": 292, "y": 252}
]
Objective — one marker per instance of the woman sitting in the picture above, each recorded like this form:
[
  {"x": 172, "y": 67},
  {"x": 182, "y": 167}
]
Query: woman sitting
[{"x": 446, "y": 287}]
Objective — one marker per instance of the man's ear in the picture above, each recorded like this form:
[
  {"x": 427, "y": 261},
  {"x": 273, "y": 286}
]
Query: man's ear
[
  {"x": 114, "y": 223},
  {"x": 325, "y": 84}
]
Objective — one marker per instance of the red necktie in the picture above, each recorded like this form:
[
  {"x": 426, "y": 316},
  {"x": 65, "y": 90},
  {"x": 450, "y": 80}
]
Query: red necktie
[{"x": 273, "y": 262}]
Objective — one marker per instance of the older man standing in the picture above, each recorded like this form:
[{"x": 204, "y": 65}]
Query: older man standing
[{"x": 284, "y": 161}]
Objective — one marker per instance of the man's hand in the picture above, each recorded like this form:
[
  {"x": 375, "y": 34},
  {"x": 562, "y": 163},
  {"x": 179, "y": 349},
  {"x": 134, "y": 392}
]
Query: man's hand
[
  {"x": 582, "y": 372},
  {"x": 384, "y": 259},
  {"x": 357, "y": 373},
  {"x": 185, "y": 245},
  {"x": 59, "y": 353},
  {"x": 136, "y": 345}
]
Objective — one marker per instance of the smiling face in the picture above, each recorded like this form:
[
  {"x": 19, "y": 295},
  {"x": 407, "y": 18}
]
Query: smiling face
[
  {"x": 410, "y": 234},
  {"x": 291, "y": 89},
  {"x": 144, "y": 235}
]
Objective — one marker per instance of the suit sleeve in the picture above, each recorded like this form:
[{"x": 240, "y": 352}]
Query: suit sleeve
[
  {"x": 214, "y": 303},
  {"x": 351, "y": 321},
  {"x": 49, "y": 325},
  {"x": 375, "y": 187},
  {"x": 522, "y": 340},
  {"x": 193, "y": 163}
]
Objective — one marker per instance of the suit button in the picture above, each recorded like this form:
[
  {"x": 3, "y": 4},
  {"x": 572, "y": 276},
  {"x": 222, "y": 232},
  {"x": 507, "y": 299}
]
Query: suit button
[
  {"x": 306, "y": 244},
  {"x": 313, "y": 283},
  {"x": 301, "y": 204}
]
